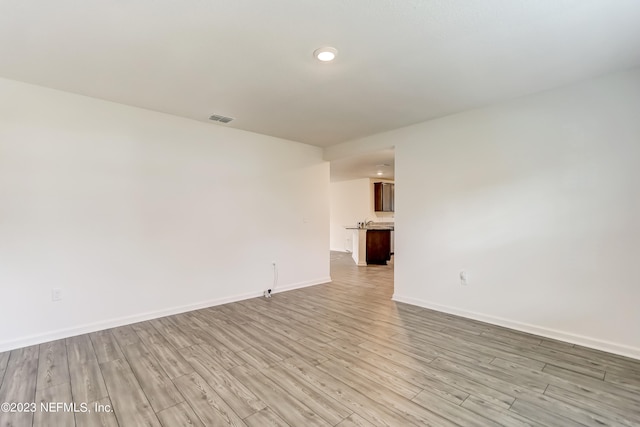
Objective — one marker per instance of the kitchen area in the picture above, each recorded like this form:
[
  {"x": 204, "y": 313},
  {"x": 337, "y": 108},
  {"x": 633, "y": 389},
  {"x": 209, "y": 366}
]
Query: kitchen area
[
  {"x": 365, "y": 209},
  {"x": 372, "y": 243}
]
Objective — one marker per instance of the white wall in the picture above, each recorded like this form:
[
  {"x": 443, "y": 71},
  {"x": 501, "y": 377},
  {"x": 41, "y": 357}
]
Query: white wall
[
  {"x": 349, "y": 204},
  {"x": 135, "y": 214},
  {"x": 538, "y": 200}
]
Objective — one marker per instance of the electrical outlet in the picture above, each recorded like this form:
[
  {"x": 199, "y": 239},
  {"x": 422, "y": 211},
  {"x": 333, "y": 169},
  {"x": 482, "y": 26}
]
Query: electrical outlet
[{"x": 56, "y": 294}]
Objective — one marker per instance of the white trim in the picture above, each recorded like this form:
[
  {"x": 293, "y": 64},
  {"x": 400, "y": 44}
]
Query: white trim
[
  {"x": 611, "y": 347},
  {"x": 302, "y": 285},
  {"x": 127, "y": 320}
]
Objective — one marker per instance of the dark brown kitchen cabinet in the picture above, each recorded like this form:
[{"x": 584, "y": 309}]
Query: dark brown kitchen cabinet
[
  {"x": 378, "y": 246},
  {"x": 383, "y": 196}
]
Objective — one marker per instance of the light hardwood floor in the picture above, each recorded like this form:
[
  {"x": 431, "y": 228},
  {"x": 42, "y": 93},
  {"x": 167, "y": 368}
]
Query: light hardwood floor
[{"x": 340, "y": 354}]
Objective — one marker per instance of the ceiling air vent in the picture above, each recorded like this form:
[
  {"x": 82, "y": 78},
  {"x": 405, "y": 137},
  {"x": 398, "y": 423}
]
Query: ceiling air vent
[{"x": 221, "y": 119}]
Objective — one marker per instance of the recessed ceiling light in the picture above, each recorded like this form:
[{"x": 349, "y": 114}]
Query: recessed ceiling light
[
  {"x": 380, "y": 174},
  {"x": 325, "y": 54}
]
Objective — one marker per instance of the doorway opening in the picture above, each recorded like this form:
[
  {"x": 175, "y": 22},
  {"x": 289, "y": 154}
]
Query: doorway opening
[{"x": 362, "y": 216}]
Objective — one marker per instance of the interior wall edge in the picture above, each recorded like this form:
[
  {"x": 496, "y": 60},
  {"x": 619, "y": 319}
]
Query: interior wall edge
[
  {"x": 136, "y": 318},
  {"x": 594, "y": 343},
  {"x": 300, "y": 285}
]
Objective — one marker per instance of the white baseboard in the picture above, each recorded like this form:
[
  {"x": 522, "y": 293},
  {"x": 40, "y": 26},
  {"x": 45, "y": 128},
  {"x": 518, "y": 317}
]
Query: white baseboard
[
  {"x": 127, "y": 320},
  {"x": 299, "y": 285},
  {"x": 610, "y": 347}
]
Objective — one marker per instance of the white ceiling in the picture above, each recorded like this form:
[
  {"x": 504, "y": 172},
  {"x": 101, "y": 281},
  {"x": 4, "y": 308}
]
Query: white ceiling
[
  {"x": 399, "y": 61},
  {"x": 364, "y": 166}
]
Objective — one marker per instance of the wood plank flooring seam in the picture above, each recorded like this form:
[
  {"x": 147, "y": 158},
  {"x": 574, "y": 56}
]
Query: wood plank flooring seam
[
  {"x": 4, "y": 370},
  {"x": 69, "y": 368}
]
